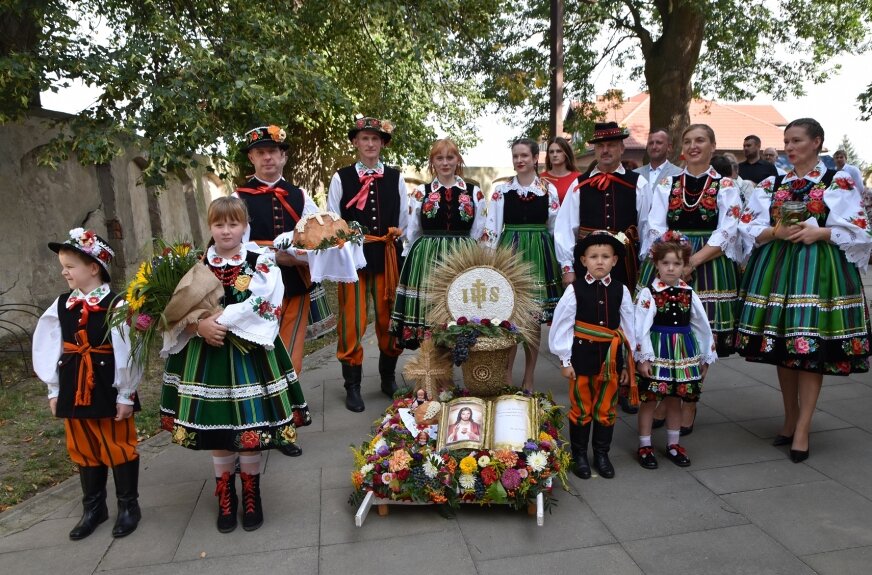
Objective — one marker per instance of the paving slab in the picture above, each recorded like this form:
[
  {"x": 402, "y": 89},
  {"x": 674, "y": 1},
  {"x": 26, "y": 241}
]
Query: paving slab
[
  {"x": 855, "y": 411},
  {"x": 163, "y": 527},
  {"x": 728, "y": 551},
  {"x": 743, "y": 403},
  {"x": 611, "y": 559},
  {"x": 769, "y": 427},
  {"x": 845, "y": 456},
  {"x": 753, "y": 476},
  {"x": 722, "y": 445},
  {"x": 439, "y": 553},
  {"x": 285, "y": 562},
  {"x": 856, "y": 561},
  {"x": 809, "y": 518}
]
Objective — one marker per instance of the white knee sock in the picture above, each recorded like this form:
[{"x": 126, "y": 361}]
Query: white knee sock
[
  {"x": 224, "y": 464},
  {"x": 672, "y": 436},
  {"x": 250, "y": 463},
  {"x": 644, "y": 441}
]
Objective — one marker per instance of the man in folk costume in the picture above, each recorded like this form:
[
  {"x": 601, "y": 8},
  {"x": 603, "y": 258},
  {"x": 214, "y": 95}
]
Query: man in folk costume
[
  {"x": 375, "y": 196},
  {"x": 275, "y": 206},
  {"x": 608, "y": 197}
]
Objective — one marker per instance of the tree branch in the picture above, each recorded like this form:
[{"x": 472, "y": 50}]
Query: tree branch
[{"x": 647, "y": 43}]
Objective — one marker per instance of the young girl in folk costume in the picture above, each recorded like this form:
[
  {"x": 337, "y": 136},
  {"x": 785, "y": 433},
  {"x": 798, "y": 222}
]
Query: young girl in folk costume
[
  {"x": 443, "y": 214},
  {"x": 674, "y": 346},
  {"x": 802, "y": 303},
  {"x": 91, "y": 382},
  {"x": 218, "y": 397},
  {"x": 521, "y": 216},
  {"x": 560, "y": 166}
]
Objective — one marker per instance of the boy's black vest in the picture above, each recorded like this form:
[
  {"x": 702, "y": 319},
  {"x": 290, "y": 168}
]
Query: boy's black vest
[
  {"x": 382, "y": 211},
  {"x": 600, "y": 305},
  {"x": 269, "y": 218},
  {"x": 103, "y": 395}
]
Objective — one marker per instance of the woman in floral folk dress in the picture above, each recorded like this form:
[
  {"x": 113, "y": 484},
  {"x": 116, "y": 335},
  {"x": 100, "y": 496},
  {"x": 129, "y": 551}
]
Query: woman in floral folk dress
[
  {"x": 443, "y": 214},
  {"x": 229, "y": 385},
  {"x": 521, "y": 216},
  {"x": 802, "y": 303}
]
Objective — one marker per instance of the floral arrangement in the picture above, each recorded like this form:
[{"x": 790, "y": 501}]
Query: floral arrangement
[
  {"x": 148, "y": 294},
  {"x": 397, "y": 465},
  {"x": 462, "y": 334}
]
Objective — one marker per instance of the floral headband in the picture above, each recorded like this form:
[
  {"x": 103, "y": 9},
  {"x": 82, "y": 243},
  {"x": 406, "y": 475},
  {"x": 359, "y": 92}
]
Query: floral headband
[
  {"x": 88, "y": 243},
  {"x": 672, "y": 236}
]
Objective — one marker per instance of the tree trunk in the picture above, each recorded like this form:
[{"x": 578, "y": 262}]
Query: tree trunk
[
  {"x": 669, "y": 65},
  {"x": 19, "y": 33}
]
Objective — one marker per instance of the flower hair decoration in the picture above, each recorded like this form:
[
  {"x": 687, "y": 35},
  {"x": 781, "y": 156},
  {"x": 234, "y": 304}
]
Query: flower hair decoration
[{"x": 672, "y": 236}]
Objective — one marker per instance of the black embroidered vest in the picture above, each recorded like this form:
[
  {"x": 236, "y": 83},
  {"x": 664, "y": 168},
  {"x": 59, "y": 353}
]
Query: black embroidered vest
[{"x": 600, "y": 305}]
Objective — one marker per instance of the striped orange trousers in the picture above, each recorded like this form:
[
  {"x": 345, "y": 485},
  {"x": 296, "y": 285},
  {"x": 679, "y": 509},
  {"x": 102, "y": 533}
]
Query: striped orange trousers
[
  {"x": 352, "y": 320},
  {"x": 292, "y": 329},
  {"x": 104, "y": 441},
  {"x": 593, "y": 399}
]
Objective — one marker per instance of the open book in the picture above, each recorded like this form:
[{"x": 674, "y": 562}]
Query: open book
[{"x": 505, "y": 422}]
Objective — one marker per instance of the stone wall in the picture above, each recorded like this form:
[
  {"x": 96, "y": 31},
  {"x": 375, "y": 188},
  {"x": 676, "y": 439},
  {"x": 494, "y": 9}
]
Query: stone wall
[{"x": 41, "y": 204}]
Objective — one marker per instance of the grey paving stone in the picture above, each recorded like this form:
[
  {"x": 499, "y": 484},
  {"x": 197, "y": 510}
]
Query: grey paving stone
[
  {"x": 181, "y": 495},
  {"x": 769, "y": 427},
  {"x": 74, "y": 558},
  {"x": 836, "y": 388},
  {"x": 284, "y": 562},
  {"x": 438, "y": 554},
  {"x": 672, "y": 495},
  {"x": 161, "y": 527},
  {"x": 809, "y": 518},
  {"x": 845, "y": 456},
  {"x": 570, "y": 525},
  {"x": 732, "y": 373},
  {"x": 855, "y": 411},
  {"x": 337, "y": 520},
  {"x": 721, "y": 445},
  {"x": 54, "y": 533},
  {"x": 743, "y": 549},
  {"x": 854, "y": 561},
  {"x": 337, "y": 476},
  {"x": 762, "y": 475},
  {"x": 744, "y": 403},
  {"x": 611, "y": 559},
  {"x": 290, "y": 519}
]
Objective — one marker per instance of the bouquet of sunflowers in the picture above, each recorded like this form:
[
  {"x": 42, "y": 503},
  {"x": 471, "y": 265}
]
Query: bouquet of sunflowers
[{"x": 168, "y": 292}]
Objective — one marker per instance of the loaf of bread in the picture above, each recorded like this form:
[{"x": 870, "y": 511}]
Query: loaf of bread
[{"x": 320, "y": 231}]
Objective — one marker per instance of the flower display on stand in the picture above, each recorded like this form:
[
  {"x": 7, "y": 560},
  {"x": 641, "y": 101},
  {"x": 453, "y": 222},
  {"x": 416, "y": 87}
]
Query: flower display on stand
[
  {"x": 460, "y": 335},
  {"x": 394, "y": 466}
]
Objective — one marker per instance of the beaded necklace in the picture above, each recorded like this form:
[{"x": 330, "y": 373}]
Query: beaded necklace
[
  {"x": 690, "y": 207},
  {"x": 226, "y": 276}
]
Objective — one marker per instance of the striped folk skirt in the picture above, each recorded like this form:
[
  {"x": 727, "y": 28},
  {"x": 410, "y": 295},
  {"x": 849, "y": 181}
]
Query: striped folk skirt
[
  {"x": 322, "y": 320},
  {"x": 536, "y": 247},
  {"x": 803, "y": 307},
  {"x": 409, "y": 316},
  {"x": 716, "y": 283},
  {"x": 675, "y": 371},
  {"x": 222, "y": 398}
]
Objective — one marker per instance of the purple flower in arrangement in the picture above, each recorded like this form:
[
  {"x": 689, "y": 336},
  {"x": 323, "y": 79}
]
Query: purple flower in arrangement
[
  {"x": 511, "y": 479},
  {"x": 143, "y": 321},
  {"x": 475, "y": 319},
  {"x": 417, "y": 456},
  {"x": 384, "y": 450},
  {"x": 531, "y": 446}
]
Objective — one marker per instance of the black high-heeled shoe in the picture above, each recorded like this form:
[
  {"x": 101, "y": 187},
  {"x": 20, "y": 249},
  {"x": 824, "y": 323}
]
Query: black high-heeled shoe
[
  {"x": 798, "y": 456},
  {"x": 782, "y": 440}
]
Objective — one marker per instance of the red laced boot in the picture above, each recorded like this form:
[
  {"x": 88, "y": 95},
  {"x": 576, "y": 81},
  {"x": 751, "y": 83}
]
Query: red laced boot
[
  {"x": 252, "y": 511},
  {"x": 225, "y": 490}
]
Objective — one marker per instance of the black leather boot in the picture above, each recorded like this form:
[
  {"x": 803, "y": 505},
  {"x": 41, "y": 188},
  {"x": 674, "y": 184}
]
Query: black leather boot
[
  {"x": 127, "y": 490},
  {"x": 225, "y": 490},
  {"x": 252, "y": 510},
  {"x": 352, "y": 374},
  {"x": 578, "y": 438},
  {"x": 601, "y": 442},
  {"x": 387, "y": 367},
  {"x": 95, "y": 512}
]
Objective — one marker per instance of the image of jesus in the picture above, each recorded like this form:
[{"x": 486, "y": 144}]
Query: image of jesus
[{"x": 464, "y": 427}]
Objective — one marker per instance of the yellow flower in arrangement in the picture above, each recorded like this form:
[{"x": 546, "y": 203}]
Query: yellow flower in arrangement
[
  {"x": 242, "y": 282},
  {"x": 356, "y": 479},
  {"x": 468, "y": 464},
  {"x": 545, "y": 437},
  {"x": 135, "y": 298}
]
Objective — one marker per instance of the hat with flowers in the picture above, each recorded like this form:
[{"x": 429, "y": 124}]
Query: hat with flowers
[
  {"x": 601, "y": 237},
  {"x": 384, "y": 128},
  {"x": 607, "y": 131},
  {"x": 87, "y": 242},
  {"x": 261, "y": 136}
]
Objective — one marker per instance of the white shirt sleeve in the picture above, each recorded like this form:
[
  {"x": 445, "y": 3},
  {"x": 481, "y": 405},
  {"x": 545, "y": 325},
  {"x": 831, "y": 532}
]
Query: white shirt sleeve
[
  {"x": 561, "y": 336},
  {"x": 257, "y": 318},
  {"x": 127, "y": 373},
  {"x": 48, "y": 345},
  {"x": 553, "y": 207},
  {"x": 628, "y": 319},
  {"x": 726, "y": 236},
  {"x": 480, "y": 203},
  {"x": 404, "y": 207},
  {"x": 643, "y": 208},
  {"x": 334, "y": 194},
  {"x": 493, "y": 224},
  {"x": 566, "y": 227},
  {"x": 642, "y": 321},
  {"x": 414, "y": 231},
  {"x": 699, "y": 326},
  {"x": 655, "y": 224},
  {"x": 848, "y": 221}
]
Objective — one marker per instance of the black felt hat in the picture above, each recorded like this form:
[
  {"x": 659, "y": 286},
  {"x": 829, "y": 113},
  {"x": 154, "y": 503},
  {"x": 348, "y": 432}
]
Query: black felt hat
[
  {"x": 384, "y": 128},
  {"x": 606, "y": 131},
  {"x": 261, "y": 136},
  {"x": 87, "y": 243},
  {"x": 599, "y": 238}
]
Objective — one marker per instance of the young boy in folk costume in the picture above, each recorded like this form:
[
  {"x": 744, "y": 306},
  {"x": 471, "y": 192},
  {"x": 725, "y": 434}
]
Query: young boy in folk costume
[
  {"x": 592, "y": 334},
  {"x": 373, "y": 195},
  {"x": 608, "y": 197},
  {"x": 275, "y": 206},
  {"x": 91, "y": 382}
]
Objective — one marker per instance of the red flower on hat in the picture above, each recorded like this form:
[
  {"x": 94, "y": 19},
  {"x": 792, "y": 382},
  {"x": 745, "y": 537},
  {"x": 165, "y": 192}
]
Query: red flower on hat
[
  {"x": 103, "y": 256},
  {"x": 254, "y": 136}
]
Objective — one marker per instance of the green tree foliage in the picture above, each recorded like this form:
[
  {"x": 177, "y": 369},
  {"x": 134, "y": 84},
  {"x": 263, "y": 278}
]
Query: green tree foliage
[
  {"x": 186, "y": 77},
  {"x": 680, "y": 49},
  {"x": 851, "y": 154}
]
